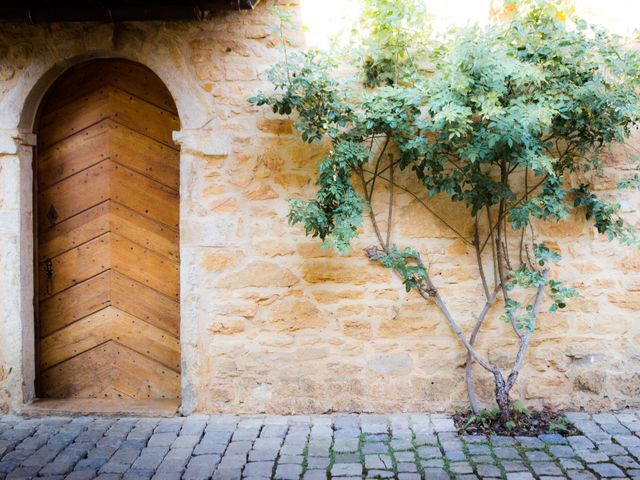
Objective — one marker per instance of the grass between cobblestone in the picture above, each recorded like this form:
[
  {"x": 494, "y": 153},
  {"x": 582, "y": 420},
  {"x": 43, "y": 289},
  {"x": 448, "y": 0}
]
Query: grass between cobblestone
[
  {"x": 608, "y": 447},
  {"x": 419, "y": 465}
]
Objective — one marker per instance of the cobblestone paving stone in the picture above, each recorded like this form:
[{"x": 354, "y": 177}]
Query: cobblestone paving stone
[{"x": 345, "y": 447}]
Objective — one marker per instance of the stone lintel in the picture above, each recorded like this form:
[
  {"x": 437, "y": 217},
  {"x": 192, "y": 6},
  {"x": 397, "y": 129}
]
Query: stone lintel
[
  {"x": 11, "y": 139},
  {"x": 203, "y": 142}
]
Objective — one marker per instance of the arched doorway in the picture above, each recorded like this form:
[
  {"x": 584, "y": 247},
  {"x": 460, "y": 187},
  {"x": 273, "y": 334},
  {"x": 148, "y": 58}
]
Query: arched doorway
[{"x": 107, "y": 236}]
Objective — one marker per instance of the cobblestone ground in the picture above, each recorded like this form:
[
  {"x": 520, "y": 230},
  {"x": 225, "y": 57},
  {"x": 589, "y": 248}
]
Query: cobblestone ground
[{"x": 404, "y": 447}]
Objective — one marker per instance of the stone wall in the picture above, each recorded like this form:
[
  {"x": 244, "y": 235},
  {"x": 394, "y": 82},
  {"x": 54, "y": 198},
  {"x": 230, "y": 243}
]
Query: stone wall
[{"x": 270, "y": 322}]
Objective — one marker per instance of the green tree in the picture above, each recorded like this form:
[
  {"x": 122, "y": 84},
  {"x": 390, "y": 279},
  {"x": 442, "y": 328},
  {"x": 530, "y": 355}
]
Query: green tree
[{"x": 510, "y": 111}]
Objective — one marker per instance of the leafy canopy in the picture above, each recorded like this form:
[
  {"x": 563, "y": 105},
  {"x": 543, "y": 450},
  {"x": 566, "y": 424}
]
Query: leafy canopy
[
  {"x": 510, "y": 111},
  {"x": 534, "y": 94}
]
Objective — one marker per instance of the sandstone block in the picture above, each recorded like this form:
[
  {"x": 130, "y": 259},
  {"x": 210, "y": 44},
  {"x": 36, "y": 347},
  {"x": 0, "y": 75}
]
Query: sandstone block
[
  {"x": 629, "y": 300},
  {"x": 292, "y": 314},
  {"x": 397, "y": 364},
  {"x": 269, "y": 162},
  {"x": 227, "y": 326},
  {"x": 224, "y": 205},
  {"x": 275, "y": 126},
  {"x": 292, "y": 180},
  {"x": 257, "y": 32},
  {"x": 360, "y": 329},
  {"x": 330, "y": 295},
  {"x": 398, "y": 323},
  {"x": 239, "y": 72},
  {"x": 260, "y": 274},
  {"x": 341, "y": 270},
  {"x": 261, "y": 191},
  {"x": 216, "y": 260}
]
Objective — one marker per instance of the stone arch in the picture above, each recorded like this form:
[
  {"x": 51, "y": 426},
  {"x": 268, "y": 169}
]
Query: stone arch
[
  {"x": 36, "y": 82},
  {"x": 17, "y": 141}
]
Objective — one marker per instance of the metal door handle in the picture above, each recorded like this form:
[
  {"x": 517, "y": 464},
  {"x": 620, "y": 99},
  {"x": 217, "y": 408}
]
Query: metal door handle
[{"x": 48, "y": 268}]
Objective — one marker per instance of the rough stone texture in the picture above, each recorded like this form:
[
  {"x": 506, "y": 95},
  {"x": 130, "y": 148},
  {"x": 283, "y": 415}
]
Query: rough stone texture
[
  {"x": 270, "y": 322},
  {"x": 108, "y": 448}
]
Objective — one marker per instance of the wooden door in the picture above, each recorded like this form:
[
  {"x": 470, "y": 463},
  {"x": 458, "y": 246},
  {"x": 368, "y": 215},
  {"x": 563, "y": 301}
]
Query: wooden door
[{"x": 107, "y": 236}]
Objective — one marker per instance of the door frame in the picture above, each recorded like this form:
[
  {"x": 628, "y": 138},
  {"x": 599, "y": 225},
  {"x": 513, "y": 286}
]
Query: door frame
[
  {"x": 35, "y": 214},
  {"x": 18, "y": 144}
]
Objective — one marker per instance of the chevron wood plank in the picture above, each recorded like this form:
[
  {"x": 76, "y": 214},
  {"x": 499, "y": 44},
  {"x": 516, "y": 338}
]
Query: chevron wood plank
[
  {"x": 108, "y": 139},
  {"x": 73, "y": 154},
  {"x": 138, "y": 371},
  {"x": 116, "y": 252},
  {"x": 77, "y": 338},
  {"x": 89, "y": 375},
  {"x": 142, "y": 116},
  {"x": 145, "y": 196},
  {"x": 145, "y": 155},
  {"x": 109, "y": 370},
  {"x": 110, "y": 288},
  {"x": 145, "y": 232},
  {"x": 108, "y": 217},
  {"x": 74, "y": 195},
  {"x": 110, "y": 324},
  {"x": 74, "y": 232},
  {"x": 73, "y": 118},
  {"x": 111, "y": 392},
  {"x": 108, "y": 102},
  {"x": 75, "y": 303},
  {"x": 128, "y": 76},
  {"x": 145, "y": 266},
  {"x": 135, "y": 386},
  {"x": 107, "y": 180},
  {"x": 145, "y": 339},
  {"x": 75, "y": 266},
  {"x": 143, "y": 302}
]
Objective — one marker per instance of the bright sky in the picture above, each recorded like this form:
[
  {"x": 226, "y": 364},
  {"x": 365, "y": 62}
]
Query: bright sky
[
  {"x": 324, "y": 19},
  {"x": 619, "y": 16}
]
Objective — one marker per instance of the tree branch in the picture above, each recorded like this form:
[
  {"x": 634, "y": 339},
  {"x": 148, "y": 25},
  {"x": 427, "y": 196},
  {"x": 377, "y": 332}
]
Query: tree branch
[
  {"x": 526, "y": 187},
  {"x": 524, "y": 343},
  {"x": 476, "y": 245},
  {"x": 432, "y": 293},
  {"x": 429, "y": 209},
  {"x": 371, "y": 213},
  {"x": 473, "y": 400},
  {"x": 390, "y": 214},
  {"x": 500, "y": 255},
  {"x": 515, "y": 204},
  {"x": 493, "y": 247},
  {"x": 375, "y": 174}
]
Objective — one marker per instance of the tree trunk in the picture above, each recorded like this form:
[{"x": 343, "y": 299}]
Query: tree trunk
[
  {"x": 502, "y": 398},
  {"x": 468, "y": 378}
]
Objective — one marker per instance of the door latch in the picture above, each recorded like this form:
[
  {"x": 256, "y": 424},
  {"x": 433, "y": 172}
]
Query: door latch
[
  {"x": 52, "y": 215},
  {"x": 48, "y": 269}
]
